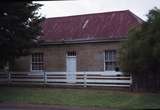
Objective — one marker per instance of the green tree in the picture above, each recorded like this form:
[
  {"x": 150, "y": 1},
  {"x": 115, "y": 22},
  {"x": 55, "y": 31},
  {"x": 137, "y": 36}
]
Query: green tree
[
  {"x": 19, "y": 29},
  {"x": 140, "y": 54}
]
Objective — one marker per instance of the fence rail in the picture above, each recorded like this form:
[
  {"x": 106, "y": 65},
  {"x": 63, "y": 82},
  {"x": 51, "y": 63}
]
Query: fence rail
[{"x": 60, "y": 78}]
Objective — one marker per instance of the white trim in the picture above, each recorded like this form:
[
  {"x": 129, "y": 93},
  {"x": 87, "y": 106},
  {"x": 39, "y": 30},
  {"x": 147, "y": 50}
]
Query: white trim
[
  {"x": 71, "y": 56},
  {"x": 109, "y": 53},
  {"x": 30, "y": 60},
  {"x": 71, "y": 76},
  {"x": 36, "y": 71},
  {"x": 104, "y": 65}
]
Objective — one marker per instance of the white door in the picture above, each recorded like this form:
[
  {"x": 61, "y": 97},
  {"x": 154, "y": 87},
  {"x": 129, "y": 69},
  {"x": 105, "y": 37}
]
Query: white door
[{"x": 71, "y": 69}]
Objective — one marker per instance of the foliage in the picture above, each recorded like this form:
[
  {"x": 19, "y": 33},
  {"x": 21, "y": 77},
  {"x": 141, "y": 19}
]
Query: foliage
[
  {"x": 19, "y": 29},
  {"x": 141, "y": 52}
]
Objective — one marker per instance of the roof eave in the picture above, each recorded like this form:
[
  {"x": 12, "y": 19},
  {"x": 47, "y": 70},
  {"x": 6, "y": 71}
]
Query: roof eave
[{"x": 84, "y": 41}]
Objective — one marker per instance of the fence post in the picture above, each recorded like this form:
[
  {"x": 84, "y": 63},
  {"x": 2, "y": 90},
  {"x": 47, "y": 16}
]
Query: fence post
[
  {"x": 131, "y": 82},
  {"x": 85, "y": 79},
  {"x": 9, "y": 78},
  {"x": 45, "y": 78},
  {"x": 131, "y": 79}
]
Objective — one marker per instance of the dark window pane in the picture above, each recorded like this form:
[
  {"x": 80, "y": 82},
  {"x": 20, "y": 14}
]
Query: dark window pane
[
  {"x": 71, "y": 53},
  {"x": 110, "y": 59}
]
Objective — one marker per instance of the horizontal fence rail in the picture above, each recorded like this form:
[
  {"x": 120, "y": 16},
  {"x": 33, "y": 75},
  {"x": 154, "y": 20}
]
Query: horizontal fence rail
[{"x": 60, "y": 78}]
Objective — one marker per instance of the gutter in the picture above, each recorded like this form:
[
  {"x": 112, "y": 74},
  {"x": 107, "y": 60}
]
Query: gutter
[{"x": 82, "y": 41}]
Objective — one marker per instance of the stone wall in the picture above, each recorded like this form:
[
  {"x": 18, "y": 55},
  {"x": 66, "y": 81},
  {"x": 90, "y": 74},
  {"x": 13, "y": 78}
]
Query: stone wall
[{"x": 90, "y": 56}]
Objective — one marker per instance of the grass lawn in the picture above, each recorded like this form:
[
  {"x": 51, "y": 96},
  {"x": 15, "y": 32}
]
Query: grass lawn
[{"x": 80, "y": 97}]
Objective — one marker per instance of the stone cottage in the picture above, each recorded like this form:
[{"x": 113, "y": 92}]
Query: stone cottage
[{"x": 80, "y": 43}]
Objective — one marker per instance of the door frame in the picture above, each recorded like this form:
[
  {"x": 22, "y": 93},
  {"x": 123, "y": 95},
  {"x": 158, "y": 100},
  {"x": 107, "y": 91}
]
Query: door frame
[{"x": 71, "y": 79}]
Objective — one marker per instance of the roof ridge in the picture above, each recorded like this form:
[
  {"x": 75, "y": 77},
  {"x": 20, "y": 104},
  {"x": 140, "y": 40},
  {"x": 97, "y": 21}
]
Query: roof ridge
[{"x": 89, "y": 14}]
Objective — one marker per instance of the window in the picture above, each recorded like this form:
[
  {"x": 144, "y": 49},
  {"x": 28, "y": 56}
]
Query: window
[
  {"x": 110, "y": 60},
  {"x": 71, "y": 53},
  {"x": 37, "y": 62}
]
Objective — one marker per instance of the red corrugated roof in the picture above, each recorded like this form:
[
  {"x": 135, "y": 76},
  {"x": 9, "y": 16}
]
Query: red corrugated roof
[{"x": 109, "y": 25}]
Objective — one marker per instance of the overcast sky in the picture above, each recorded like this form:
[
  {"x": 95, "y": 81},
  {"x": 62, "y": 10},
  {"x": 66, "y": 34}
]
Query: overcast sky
[{"x": 77, "y": 7}]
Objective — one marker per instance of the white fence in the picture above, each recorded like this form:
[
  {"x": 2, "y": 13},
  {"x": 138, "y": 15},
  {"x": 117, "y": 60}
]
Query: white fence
[{"x": 60, "y": 78}]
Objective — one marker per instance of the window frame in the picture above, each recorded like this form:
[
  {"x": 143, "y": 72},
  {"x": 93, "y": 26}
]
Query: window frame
[
  {"x": 39, "y": 62},
  {"x": 113, "y": 59},
  {"x": 71, "y": 54}
]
